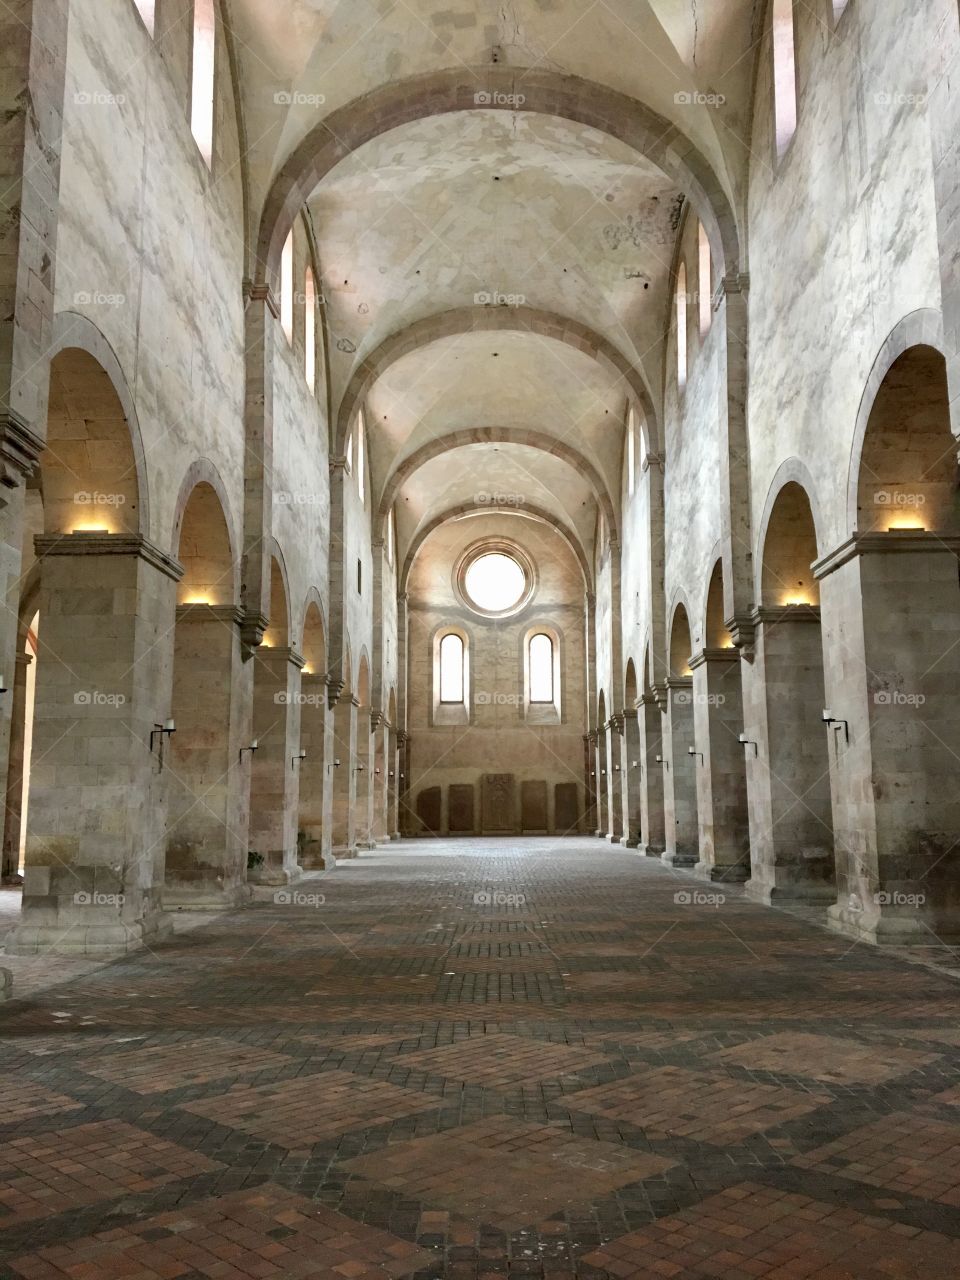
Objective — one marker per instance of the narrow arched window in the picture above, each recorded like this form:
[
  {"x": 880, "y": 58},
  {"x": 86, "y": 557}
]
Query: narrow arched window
[
  {"x": 541, "y": 668},
  {"x": 838, "y": 7},
  {"x": 310, "y": 331},
  {"x": 286, "y": 287},
  {"x": 391, "y": 536},
  {"x": 631, "y": 451},
  {"x": 203, "y": 79},
  {"x": 784, "y": 74},
  {"x": 705, "y": 283},
  {"x": 451, "y": 669},
  {"x": 361, "y": 460},
  {"x": 147, "y": 11},
  {"x": 682, "y": 326}
]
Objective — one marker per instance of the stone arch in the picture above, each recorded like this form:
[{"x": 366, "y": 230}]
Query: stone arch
[
  {"x": 921, "y": 328},
  {"x": 681, "y": 640},
  {"x": 203, "y": 541},
  {"x": 462, "y": 320},
  {"x": 313, "y": 635},
  {"x": 279, "y": 629},
  {"x": 792, "y": 471},
  {"x": 715, "y": 633},
  {"x": 631, "y": 688},
  {"x": 203, "y": 471},
  {"x": 494, "y": 435},
  {"x": 362, "y": 691},
  {"x": 544, "y": 92},
  {"x": 532, "y": 512},
  {"x": 73, "y": 332},
  {"x": 789, "y": 550}
]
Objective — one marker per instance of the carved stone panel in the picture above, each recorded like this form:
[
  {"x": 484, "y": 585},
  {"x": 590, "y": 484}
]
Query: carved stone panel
[
  {"x": 566, "y": 809},
  {"x": 460, "y": 808},
  {"x": 428, "y": 810},
  {"x": 499, "y": 804},
  {"x": 533, "y": 807}
]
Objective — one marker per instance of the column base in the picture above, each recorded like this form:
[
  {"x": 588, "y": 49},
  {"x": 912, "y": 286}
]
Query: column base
[
  {"x": 6, "y": 985},
  {"x": 274, "y": 876},
  {"x": 685, "y": 861},
  {"x": 396, "y": 835},
  {"x": 630, "y": 842},
  {"x": 206, "y": 897},
  {"x": 99, "y": 941},
  {"x": 611, "y": 838},
  {"x": 651, "y": 850},
  {"x": 736, "y": 873},
  {"x": 892, "y": 927},
  {"x": 344, "y": 853},
  {"x": 771, "y": 895}
]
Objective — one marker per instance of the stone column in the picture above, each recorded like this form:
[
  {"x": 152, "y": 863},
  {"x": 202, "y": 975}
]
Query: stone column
[
  {"x": 722, "y": 777},
  {"x": 614, "y": 753},
  {"x": 943, "y": 119},
  {"x": 96, "y": 826},
  {"x": 590, "y": 767},
  {"x": 630, "y": 773},
  {"x": 207, "y": 803},
  {"x": 380, "y": 781},
  {"x": 788, "y": 777},
  {"x": 651, "y": 781},
  {"x": 274, "y": 775},
  {"x": 344, "y": 762},
  {"x": 891, "y": 608},
  {"x": 18, "y": 733},
  {"x": 314, "y": 801},
  {"x": 602, "y": 785},
  {"x": 34, "y": 40},
  {"x": 679, "y": 779},
  {"x": 405, "y": 814}
]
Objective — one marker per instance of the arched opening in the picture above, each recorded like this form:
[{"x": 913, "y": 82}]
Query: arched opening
[
  {"x": 631, "y": 767},
  {"x": 901, "y": 572},
  {"x": 312, "y": 837},
  {"x": 343, "y": 766},
  {"x": 602, "y": 772},
  {"x": 653, "y": 841},
  {"x": 794, "y": 844},
  {"x": 206, "y": 843},
  {"x": 96, "y": 813},
  {"x": 364, "y": 759},
  {"x": 274, "y": 761},
  {"x": 393, "y": 768},
  {"x": 718, "y": 724},
  {"x": 679, "y": 765}
]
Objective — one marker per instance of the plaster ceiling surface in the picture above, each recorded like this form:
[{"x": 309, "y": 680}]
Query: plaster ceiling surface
[
  {"x": 501, "y": 475},
  {"x": 303, "y": 59},
  {"x": 494, "y": 208},
  {"x": 517, "y": 381}
]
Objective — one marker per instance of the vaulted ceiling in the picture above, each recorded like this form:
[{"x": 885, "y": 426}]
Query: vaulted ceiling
[{"x": 566, "y": 231}]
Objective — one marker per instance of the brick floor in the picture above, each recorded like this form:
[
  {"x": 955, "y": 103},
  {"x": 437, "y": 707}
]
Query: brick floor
[{"x": 603, "y": 1083}]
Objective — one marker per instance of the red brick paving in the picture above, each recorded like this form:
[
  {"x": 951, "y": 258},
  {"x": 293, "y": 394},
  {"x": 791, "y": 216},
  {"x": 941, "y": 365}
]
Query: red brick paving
[{"x": 601, "y": 1084}]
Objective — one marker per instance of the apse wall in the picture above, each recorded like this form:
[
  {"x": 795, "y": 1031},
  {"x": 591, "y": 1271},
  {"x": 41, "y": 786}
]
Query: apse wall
[{"x": 499, "y": 738}]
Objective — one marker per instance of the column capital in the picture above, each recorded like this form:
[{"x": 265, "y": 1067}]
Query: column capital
[
  {"x": 733, "y": 283},
  {"x": 20, "y": 449},
  {"x": 227, "y": 614},
  {"x": 334, "y": 691},
  {"x": 282, "y": 653},
  {"x": 742, "y": 628},
  {"x": 108, "y": 544},
  {"x": 652, "y": 460},
  {"x": 261, "y": 293},
  {"x": 253, "y": 627},
  {"x": 774, "y": 614},
  {"x": 705, "y": 656}
]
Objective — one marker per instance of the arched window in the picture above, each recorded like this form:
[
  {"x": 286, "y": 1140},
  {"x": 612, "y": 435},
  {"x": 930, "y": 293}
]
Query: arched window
[
  {"x": 682, "y": 326},
  {"x": 541, "y": 668},
  {"x": 391, "y": 535},
  {"x": 349, "y": 456},
  {"x": 204, "y": 66},
  {"x": 784, "y": 74},
  {"x": 361, "y": 459},
  {"x": 838, "y": 7},
  {"x": 147, "y": 11},
  {"x": 451, "y": 670},
  {"x": 631, "y": 451},
  {"x": 286, "y": 287},
  {"x": 310, "y": 332},
  {"x": 705, "y": 283}
]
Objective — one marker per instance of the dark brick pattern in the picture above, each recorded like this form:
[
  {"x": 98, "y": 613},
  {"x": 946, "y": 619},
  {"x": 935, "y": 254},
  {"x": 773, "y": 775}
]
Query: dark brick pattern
[{"x": 601, "y": 1083}]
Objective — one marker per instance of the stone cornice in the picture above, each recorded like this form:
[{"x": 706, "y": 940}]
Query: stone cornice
[
  {"x": 108, "y": 544},
  {"x": 228, "y": 614},
  {"x": 727, "y": 656},
  {"x": 775, "y": 614},
  {"x": 282, "y": 653},
  {"x": 736, "y": 282},
  {"x": 20, "y": 449},
  {"x": 334, "y": 691},
  {"x": 678, "y": 682},
  {"x": 253, "y": 627},
  {"x": 652, "y": 460},
  {"x": 888, "y": 542}
]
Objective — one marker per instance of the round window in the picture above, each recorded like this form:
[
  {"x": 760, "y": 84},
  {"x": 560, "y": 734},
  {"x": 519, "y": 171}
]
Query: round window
[{"x": 495, "y": 581}]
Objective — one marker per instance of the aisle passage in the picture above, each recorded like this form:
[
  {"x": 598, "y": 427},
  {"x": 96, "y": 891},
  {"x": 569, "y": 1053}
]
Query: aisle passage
[{"x": 487, "y": 1059}]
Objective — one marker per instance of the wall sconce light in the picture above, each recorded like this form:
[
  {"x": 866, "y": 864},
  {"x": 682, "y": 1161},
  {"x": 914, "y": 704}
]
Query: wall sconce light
[
  {"x": 253, "y": 747},
  {"x": 616, "y": 768},
  {"x": 634, "y": 764},
  {"x": 831, "y": 721},
  {"x": 361, "y": 768},
  {"x": 603, "y": 773},
  {"x": 377, "y": 771},
  {"x": 692, "y": 751},
  {"x": 3, "y": 684},
  {"x": 747, "y": 742},
  {"x": 402, "y": 776},
  {"x": 160, "y": 731},
  {"x": 302, "y": 756},
  {"x": 392, "y": 774}
]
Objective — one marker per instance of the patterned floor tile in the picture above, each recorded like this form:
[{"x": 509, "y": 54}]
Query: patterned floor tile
[
  {"x": 498, "y": 1060},
  {"x": 794, "y": 1053},
  {"x": 188, "y": 1062}
]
